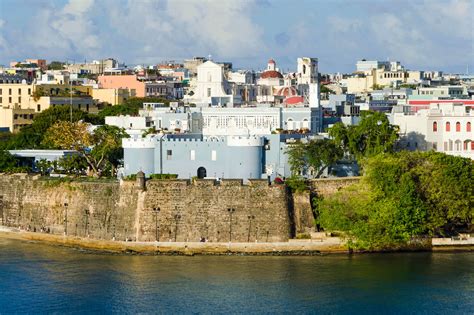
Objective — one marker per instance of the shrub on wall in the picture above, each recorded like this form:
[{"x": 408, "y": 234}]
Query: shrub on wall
[{"x": 164, "y": 176}]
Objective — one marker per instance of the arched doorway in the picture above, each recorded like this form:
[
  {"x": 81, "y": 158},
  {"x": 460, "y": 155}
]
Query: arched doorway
[{"x": 201, "y": 172}]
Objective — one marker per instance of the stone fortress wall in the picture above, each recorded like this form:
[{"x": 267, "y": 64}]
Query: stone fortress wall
[{"x": 164, "y": 210}]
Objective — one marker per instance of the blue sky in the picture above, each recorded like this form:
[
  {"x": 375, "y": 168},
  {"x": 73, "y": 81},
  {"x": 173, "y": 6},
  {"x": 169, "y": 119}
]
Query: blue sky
[{"x": 427, "y": 35}]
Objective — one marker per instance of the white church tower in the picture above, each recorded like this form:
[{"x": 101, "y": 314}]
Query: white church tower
[{"x": 308, "y": 84}]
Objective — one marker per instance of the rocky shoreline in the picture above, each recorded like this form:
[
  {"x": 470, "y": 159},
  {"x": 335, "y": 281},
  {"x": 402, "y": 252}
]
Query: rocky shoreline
[{"x": 332, "y": 245}]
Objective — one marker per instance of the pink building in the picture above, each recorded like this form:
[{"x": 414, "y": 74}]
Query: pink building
[{"x": 123, "y": 82}]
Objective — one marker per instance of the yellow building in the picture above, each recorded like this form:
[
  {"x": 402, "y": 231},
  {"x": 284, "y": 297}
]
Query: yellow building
[
  {"x": 19, "y": 102},
  {"x": 111, "y": 96},
  {"x": 15, "y": 118}
]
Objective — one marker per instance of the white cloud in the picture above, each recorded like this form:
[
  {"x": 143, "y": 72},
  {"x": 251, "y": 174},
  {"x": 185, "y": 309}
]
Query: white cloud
[
  {"x": 430, "y": 34},
  {"x": 78, "y": 7},
  {"x": 186, "y": 28}
]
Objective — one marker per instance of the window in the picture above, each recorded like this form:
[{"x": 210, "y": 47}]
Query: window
[
  {"x": 192, "y": 155},
  {"x": 19, "y": 91},
  {"x": 214, "y": 155},
  {"x": 465, "y": 146},
  {"x": 10, "y": 100},
  {"x": 458, "y": 145},
  {"x": 9, "y": 91},
  {"x": 29, "y": 91},
  {"x": 38, "y": 107},
  {"x": 435, "y": 126},
  {"x": 458, "y": 126},
  {"x": 468, "y": 126},
  {"x": 448, "y": 126},
  {"x": 19, "y": 100},
  {"x": 169, "y": 154},
  {"x": 208, "y": 92},
  {"x": 0, "y": 91}
]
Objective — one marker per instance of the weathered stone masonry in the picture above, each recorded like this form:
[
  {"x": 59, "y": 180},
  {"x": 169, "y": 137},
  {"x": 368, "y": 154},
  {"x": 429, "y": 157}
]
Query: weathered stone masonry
[
  {"x": 167, "y": 210},
  {"x": 187, "y": 212}
]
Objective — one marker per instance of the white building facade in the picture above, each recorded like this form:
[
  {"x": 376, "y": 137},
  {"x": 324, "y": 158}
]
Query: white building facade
[{"x": 446, "y": 128}]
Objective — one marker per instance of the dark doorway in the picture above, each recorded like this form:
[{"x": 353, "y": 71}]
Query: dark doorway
[{"x": 201, "y": 173}]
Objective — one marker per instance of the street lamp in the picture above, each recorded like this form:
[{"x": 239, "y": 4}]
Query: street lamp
[
  {"x": 176, "y": 218},
  {"x": 231, "y": 211},
  {"x": 250, "y": 217},
  {"x": 156, "y": 211},
  {"x": 1, "y": 209},
  {"x": 86, "y": 230},
  {"x": 65, "y": 218}
]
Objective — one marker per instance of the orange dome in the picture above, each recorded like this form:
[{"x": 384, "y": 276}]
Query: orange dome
[
  {"x": 293, "y": 100},
  {"x": 271, "y": 74}
]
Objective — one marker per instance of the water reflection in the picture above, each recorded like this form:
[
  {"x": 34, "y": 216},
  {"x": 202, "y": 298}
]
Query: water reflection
[{"x": 39, "y": 278}]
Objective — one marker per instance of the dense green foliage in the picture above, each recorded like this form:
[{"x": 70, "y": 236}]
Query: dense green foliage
[
  {"x": 101, "y": 148},
  {"x": 314, "y": 155},
  {"x": 374, "y": 134},
  {"x": 296, "y": 184},
  {"x": 402, "y": 196},
  {"x": 131, "y": 106},
  {"x": 56, "y": 65},
  {"x": 31, "y": 137},
  {"x": 164, "y": 176},
  {"x": 7, "y": 161}
]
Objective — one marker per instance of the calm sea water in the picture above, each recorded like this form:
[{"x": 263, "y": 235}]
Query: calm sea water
[{"x": 38, "y": 278}]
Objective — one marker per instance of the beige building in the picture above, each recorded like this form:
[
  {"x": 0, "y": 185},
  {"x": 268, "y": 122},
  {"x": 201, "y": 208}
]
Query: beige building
[
  {"x": 95, "y": 67},
  {"x": 19, "y": 103},
  {"x": 112, "y": 96}
]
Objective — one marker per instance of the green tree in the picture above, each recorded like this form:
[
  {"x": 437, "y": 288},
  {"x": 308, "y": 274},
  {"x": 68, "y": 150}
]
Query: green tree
[
  {"x": 7, "y": 161},
  {"x": 31, "y": 137},
  {"x": 402, "y": 196},
  {"x": 72, "y": 164},
  {"x": 101, "y": 149},
  {"x": 374, "y": 134},
  {"x": 56, "y": 65},
  {"x": 131, "y": 106},
  {"x": 316, "y": 155},
  {"x": 44, "y": 166}
]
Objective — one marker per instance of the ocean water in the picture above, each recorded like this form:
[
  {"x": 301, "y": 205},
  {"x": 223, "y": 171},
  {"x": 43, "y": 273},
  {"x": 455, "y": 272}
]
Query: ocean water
[{"x": 36, "y": 278}]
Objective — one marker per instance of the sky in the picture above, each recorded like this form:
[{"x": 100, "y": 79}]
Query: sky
[{"x": 422, "y": 35}]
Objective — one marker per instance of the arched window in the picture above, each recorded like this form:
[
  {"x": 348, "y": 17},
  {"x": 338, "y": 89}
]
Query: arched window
[
  {"x": 468, "y": 127},
  {"x": 435, "y": 126},
  {"x": 448, "y": 126},
  {"x": 458, "y": 126}
]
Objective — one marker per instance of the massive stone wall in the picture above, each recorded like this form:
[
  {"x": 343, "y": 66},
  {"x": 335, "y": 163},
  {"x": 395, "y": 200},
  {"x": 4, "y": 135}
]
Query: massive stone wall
[
  {"x": 327, "y": 186},
  {"x": 166, "y": 210}
]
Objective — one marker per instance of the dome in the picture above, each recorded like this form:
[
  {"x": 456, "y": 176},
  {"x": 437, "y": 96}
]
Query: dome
[
  {"x": 271, "y": 74},
  {"x": 271, "y": 61},
  {"x": 287, "y": 91},
  {"x": 293, "y": 100}
]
